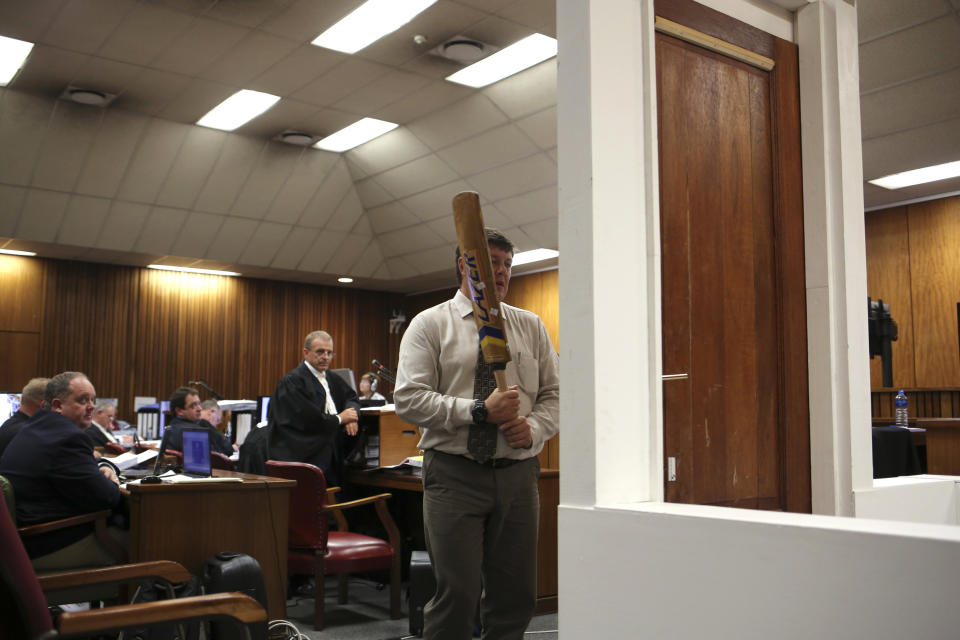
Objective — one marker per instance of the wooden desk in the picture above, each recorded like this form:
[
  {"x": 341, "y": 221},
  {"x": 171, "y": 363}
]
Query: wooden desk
[
  {"x": 549, "y": 484},
  {"x": 396, "y": 440},
  {"x": 943, "y": 445},
  {"x": 190, "y": 522}
]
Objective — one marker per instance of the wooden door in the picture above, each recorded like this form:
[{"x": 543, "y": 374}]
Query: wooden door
[{"x": 734, "y": 338}]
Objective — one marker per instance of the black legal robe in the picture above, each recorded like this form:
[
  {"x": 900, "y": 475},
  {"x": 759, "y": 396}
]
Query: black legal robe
[{"x": 300, "y": 428}]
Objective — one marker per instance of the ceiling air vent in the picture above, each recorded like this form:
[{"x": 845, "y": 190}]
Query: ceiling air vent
[
  {"x": 463, "y": 50},
  {"x": 296, "y": 138},
  {"x": 91, "y": 97}
]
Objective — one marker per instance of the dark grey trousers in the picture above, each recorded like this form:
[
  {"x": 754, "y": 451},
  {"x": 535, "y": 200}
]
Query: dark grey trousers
[{"x": 481, "y": 528}]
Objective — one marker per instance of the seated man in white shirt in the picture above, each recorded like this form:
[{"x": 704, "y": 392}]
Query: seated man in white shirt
[
  {"x": 101, "y": 428},
  {"x": 210, "y": 411}
]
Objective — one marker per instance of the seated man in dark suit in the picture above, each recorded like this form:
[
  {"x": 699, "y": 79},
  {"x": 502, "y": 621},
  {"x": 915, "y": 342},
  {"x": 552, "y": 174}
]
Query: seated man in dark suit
[
  {"x": 185, "y": 405},
  {"x": 100, "y": 430},
  {"x": 54, "y": 475},
  {"x": 31, "y": 401},
  {"x": 313, "y": 416}
]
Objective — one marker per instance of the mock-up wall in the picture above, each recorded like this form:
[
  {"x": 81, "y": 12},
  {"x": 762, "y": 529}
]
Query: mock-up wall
[
  {"x": 675, "y": 571},
  {"x": 629, "y": 565}
]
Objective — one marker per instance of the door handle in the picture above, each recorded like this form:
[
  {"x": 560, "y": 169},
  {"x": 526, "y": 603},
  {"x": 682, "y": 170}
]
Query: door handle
[{"x": 674, "y": 376}]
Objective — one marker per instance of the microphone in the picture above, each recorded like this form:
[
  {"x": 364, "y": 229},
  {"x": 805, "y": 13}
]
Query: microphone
[
  {"x": 384, "y": 373},
  {"x": 205, "y": 386}
]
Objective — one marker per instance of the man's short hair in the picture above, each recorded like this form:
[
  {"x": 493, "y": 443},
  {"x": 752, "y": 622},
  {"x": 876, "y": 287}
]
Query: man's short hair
[
  {"x": 208, "y": 404},
  {"x": 313, "y": 335},
  {"x": 179, "y": 398},
  {"x": 59, "y": 386},
  {"x": 494, "y": 237},
  {"x": 103, "y": 405},
  {"x": 35, "y": 391}
]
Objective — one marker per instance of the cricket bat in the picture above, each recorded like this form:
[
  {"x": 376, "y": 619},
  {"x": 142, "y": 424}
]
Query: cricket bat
[{"x": 472, "y": 238}]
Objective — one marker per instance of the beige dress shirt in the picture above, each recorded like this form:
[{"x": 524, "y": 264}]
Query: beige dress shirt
[{"x": 438, "y": 357}]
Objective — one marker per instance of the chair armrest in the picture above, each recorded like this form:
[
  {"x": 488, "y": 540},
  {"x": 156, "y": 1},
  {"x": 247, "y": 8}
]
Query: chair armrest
[
  {"x": 380, "y": 503},
  {"x": 163, "y": 569},
  {"x": 53, "y": 525},
  {"x": 236, "y": 606},
  {"x": 350, "y": 504},
  {"x": 393, "y": 533},
  {"x": 337, "y": 514}
]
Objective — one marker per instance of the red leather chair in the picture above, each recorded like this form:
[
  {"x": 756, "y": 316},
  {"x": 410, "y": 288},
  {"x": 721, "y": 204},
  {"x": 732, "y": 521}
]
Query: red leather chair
[
  {"x": 98, "y": 518},
  {"x": 220, "y": 461},
  {"x": 315, "y": 550},
  {"x": 24, "y": 605}
]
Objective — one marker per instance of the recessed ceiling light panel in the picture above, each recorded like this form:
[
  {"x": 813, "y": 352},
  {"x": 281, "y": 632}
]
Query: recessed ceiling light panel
[
  {"x": 15, "y": 252},
  {"x": 238, "y": 109},
  {"x": 344, "y": 280},
  {"x": 919, "y": 176},
  {"x": 13, "y": 53},
  {"x": 508, "y": 61},
  {"x": 369, "y": 22},
  {"x": 534, "y": 255},
  {"x": 356, "y": 134}
]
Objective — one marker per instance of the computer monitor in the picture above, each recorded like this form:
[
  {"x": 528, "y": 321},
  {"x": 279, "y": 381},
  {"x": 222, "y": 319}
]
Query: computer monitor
[
  {"x": 347, "y": 376},
  {"x": 9, "y": 405},
  {"x": 263, "y": 405},
  {"x": 196, "y": 452}
]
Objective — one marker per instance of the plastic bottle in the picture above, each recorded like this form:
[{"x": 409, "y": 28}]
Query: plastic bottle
[{"x": 900, "y": 402}]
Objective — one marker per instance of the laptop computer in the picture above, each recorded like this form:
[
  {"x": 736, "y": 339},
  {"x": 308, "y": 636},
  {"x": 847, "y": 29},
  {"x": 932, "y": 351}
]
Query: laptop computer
[{"x": 196, "y": 453}]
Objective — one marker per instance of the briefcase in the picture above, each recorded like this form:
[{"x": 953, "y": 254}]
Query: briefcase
[
  {"x": 229, "y": 571},
  {"x": 422, "y": 587}
]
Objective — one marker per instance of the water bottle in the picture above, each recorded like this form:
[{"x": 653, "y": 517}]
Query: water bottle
[{"x": 900, "y": 402}]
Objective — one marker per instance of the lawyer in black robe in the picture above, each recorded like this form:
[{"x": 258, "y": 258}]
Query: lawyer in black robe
[{"x": 300, "y": 428}]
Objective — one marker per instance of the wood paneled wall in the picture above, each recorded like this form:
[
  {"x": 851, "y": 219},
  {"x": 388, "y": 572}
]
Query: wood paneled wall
[
  {"x": 21, "y": 320},
  {"x": 923, "y": 403},
  {"x": 137, "y": 331},
  {"x": 536, "y": 292},
  {"x": 913, "y": 265}
]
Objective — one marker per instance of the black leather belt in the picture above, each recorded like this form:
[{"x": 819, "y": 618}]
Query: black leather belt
[
  {"x": 496, "y": 463},
  {"x": 493, "y": 463}
]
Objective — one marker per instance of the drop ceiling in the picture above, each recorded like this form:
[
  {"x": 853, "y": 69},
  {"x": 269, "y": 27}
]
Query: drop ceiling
[{"x": 137, "y": 182}]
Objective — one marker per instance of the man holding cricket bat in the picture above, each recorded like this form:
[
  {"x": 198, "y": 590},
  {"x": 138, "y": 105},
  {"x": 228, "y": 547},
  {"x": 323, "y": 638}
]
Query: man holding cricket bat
[{"x": 481, "y": 504}]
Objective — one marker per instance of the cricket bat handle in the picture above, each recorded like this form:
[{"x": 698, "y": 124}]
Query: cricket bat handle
[{"x": 500, "y": 375}]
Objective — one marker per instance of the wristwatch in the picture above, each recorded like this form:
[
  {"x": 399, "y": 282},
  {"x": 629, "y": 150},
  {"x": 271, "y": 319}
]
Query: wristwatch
[{"x": 479, "y": 412}]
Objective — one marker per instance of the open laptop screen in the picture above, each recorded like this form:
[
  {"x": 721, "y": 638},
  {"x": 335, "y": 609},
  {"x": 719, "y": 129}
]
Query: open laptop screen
[{"x": 196, "y": 452}]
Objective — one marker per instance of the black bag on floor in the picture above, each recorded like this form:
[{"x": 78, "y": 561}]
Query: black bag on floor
[
  {"x": 229, "y": 571},
  {"x": 422, "y": 587}
]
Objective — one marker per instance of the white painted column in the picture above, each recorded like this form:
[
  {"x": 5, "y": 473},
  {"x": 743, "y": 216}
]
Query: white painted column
[
  {"x": 609, "y": 238},
  {"x": 838, "y": 356}
]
